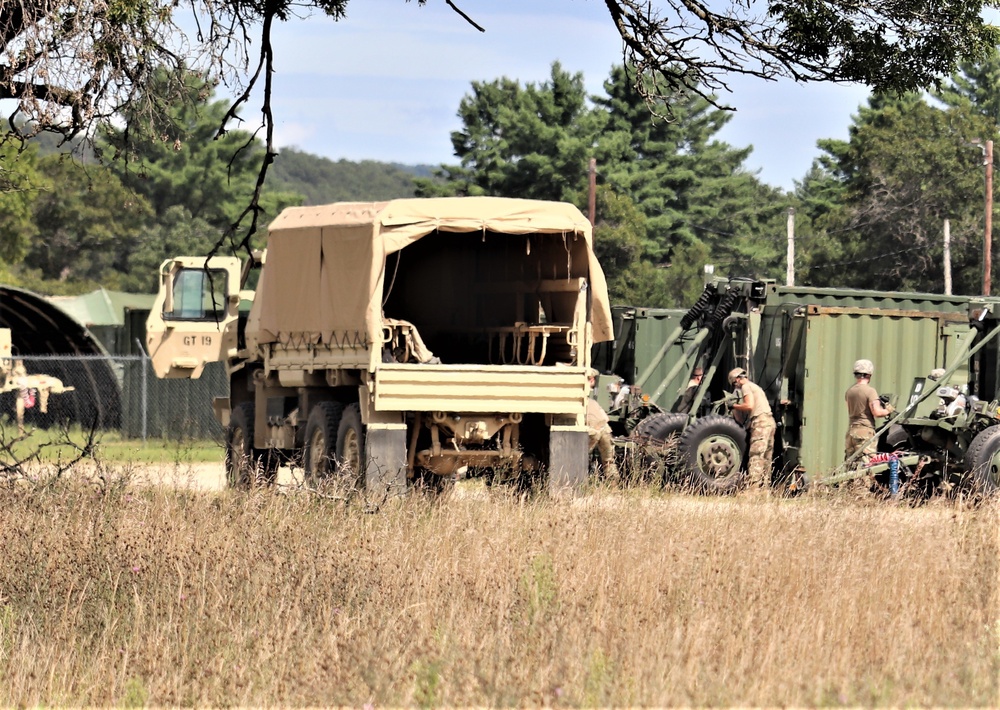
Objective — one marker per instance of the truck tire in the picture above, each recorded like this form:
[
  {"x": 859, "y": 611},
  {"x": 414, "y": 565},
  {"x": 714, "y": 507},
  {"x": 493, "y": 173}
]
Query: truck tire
[
  {"x": 246, "y": 465},
  {"x": 657, "y": 451},
  {"x": 321, "y": 441},
  {"x": 659, "y": 427},
  {"x": 982, "y": 460},
  {"x": 351, "y": 447},
  {"x": 711, "y": 452}
]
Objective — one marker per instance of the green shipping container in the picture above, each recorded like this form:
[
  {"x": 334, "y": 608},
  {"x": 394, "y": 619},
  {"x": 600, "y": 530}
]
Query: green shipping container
[
  {"x": 804, "y": 361},
  {"x": 807, "y": 340},
  {"x": 639, "y": 335}
]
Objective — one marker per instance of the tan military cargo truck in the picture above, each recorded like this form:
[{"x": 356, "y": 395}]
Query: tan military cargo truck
[{"x": 389, "y": 343}]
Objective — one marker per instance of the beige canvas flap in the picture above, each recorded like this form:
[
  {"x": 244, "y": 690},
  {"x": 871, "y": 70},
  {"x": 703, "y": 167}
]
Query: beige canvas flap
[
  {"x": 350, "y": 277},
  {"x": 600, "y": 315},
  {"x": 330, "y": 259},
  {"x": 293, "y": 261}
]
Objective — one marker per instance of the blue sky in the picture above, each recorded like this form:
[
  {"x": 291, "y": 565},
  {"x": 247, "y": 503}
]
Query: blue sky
[{"x": 385, "y": 83}]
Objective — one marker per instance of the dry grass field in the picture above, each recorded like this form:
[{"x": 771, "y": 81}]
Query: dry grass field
[{"x": 120, "y": 594}]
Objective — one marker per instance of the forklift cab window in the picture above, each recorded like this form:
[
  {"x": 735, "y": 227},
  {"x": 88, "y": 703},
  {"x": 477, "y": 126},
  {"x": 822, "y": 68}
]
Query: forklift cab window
[{"x": 197, "y": 295}]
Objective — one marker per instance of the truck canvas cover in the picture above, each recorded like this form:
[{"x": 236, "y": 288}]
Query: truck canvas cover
[{"x": 330, "y": 260}]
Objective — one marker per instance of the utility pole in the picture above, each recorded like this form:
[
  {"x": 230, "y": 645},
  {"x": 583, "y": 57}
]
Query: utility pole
[
  {"x": 790, "y": 255},
  {"x": 988, "y": 246},
  {"x": 592, "y": 202},
  {"x": 947, "y": 257}
]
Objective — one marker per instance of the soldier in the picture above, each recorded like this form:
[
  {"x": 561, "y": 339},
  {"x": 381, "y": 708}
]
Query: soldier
[
  {"x": 599, "y": 431},
  {"x": 863, "y": 406},
  {"x": 754, "y": 411},
  {"x": 692, "y": 388}
]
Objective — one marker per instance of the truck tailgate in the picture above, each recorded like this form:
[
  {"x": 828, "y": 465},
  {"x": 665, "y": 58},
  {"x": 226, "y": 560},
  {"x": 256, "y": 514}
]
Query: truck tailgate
[{"x": 480, "y": 388}]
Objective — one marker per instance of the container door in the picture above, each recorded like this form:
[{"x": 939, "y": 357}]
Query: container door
[
  {"x": 957, "y": 341},
  {"x": 195, "y": 316},
  {"x": 902, "y": 346}
]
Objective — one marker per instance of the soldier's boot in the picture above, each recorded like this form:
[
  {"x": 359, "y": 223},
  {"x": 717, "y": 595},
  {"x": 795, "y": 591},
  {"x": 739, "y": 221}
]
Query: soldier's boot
[{"x": 757, "y": 483}]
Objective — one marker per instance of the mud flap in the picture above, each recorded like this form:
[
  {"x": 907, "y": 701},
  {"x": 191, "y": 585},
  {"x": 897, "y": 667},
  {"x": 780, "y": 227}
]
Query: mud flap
[
  {"x": 385, "y": 465},
  {"x": 568, "y": 458}
]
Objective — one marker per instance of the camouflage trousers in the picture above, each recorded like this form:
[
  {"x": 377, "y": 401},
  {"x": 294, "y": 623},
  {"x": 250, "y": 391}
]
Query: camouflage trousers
[
  {"x": 856, "y": 437},
  {"x": 601, "y": 439},
  {"x": 762, "y": 428}
]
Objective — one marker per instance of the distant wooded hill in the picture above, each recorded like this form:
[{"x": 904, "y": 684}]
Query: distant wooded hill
[{"x": 322, "y": 180}]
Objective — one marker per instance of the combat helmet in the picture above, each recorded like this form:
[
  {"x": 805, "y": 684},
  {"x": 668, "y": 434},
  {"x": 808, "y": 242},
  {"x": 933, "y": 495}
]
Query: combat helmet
[{"x": 864, "y": 367}]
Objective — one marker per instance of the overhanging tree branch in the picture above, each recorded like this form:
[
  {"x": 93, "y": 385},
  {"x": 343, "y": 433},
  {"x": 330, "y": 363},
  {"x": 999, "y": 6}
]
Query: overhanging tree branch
[
  {"x": 887, "y": 45},
  {"x": 74, "y": 64}
]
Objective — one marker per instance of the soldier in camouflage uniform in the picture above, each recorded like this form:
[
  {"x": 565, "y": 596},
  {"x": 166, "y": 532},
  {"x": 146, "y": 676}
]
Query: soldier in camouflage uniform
[
  {"x": 599, "y": 430},
  {"x": 863, "y": 406},
  {"x": 754, "y": 411}
]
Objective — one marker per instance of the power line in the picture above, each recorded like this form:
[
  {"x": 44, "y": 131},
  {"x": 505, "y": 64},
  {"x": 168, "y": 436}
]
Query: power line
[
  {"x": 757, "y": 208},
  {"x": 861, "y": 260}
]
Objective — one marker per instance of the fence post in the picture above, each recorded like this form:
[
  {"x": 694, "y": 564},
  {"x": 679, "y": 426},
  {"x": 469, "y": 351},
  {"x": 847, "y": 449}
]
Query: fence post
[{"x": 144, "y": 398}]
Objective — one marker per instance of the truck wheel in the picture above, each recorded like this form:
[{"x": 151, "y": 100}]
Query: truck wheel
[
  {"x": 982, "y": 460},
  {"x": 321, "y": 440},
  {"x": 657, "y": 451},
  {"x": 659, "y": 427},
  {"x": 246, "y": 465},
  {"x": 711, "y": 453},
  {"x": 351, "y": 446}
]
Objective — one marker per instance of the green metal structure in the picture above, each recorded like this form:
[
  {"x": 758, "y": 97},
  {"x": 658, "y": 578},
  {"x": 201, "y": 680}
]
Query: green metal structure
[
  {"x": 804, "y": 342},
  {"x": 799, "y": 345}
]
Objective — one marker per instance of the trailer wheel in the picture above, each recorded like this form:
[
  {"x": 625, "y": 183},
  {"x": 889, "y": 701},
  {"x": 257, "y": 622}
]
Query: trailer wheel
[
  {"x": 321, "y": 440},
  {"x": 711, "y": 452},
  {"x": 351, "y": 446},
  {"x": 246, "y": 465},
  {"x": 982, "y": 460}
]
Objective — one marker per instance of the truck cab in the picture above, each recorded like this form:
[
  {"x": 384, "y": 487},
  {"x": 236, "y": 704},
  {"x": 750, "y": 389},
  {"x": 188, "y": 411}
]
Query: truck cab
[{"x": 194, "y": 319}]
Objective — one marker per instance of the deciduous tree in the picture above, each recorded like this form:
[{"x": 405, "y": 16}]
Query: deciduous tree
[
  {"x": 19, "y": 186},
  {"x": 88, "y": 223}
]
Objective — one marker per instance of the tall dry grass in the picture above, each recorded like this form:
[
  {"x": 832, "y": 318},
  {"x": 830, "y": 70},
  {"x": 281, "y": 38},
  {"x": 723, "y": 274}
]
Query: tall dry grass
[{"x": 131, "y": 596}]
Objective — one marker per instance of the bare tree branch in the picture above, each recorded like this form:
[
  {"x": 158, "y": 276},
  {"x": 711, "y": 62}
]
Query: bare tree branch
[{"x": 464, "y": 16}]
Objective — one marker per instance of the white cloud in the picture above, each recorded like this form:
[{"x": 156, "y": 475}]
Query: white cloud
[{"x": 290, "y": 133}]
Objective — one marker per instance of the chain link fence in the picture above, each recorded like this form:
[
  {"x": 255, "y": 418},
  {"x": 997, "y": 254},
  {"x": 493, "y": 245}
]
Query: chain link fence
[{"x": 120, "y": 393}]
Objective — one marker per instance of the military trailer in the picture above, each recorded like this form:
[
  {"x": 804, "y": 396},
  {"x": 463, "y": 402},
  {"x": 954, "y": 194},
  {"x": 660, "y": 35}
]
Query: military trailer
[
  {"x": 397, "y": 342},
  {"x": 798, "y": 344}
]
